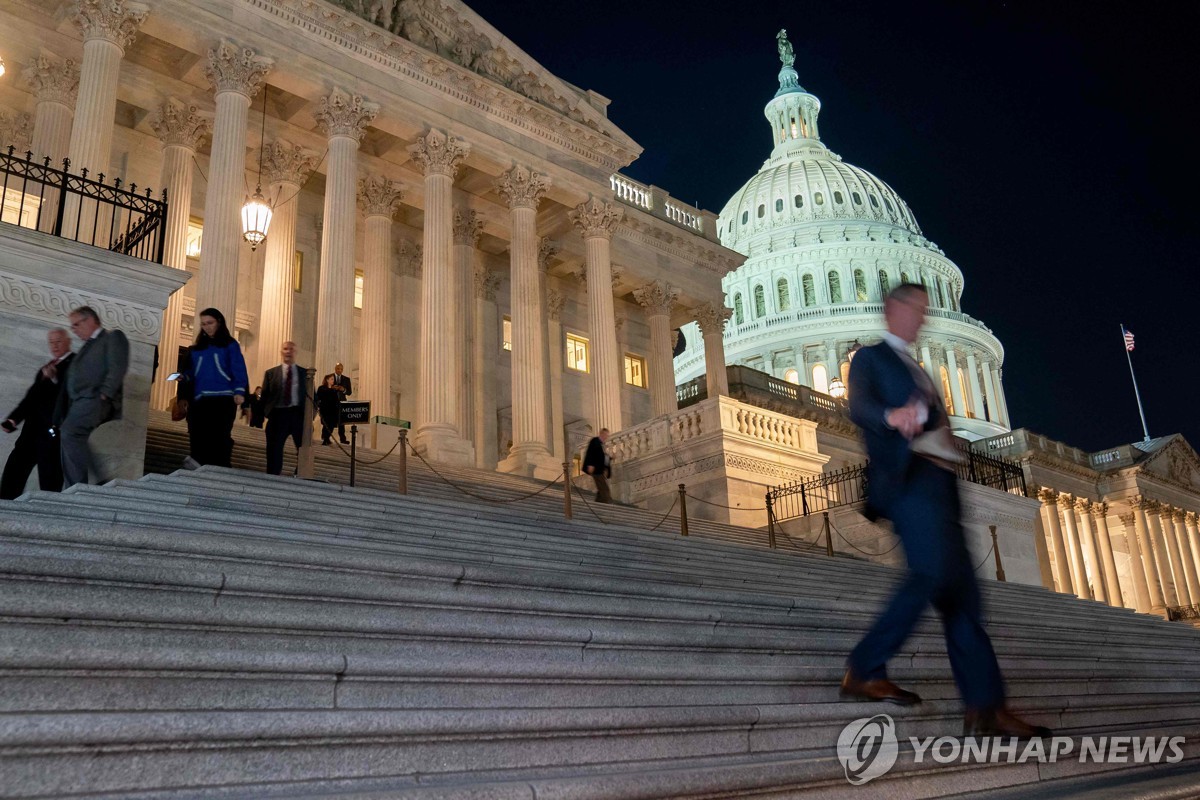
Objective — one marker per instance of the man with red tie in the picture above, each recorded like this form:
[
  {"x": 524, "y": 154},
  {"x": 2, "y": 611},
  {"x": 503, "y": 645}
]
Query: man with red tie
[{"x": 283, "y": 401}]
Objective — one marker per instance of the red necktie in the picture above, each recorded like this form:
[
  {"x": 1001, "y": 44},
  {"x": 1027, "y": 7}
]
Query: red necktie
[{"x": 287, "y": 385}]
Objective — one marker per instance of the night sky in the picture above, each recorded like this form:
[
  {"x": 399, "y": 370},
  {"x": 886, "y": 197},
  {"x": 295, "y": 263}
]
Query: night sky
[{"x": 1045, "y": 147}]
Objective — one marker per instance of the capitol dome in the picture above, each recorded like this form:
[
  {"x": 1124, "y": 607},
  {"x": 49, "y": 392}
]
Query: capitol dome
[{"x": 825, "y": 242}]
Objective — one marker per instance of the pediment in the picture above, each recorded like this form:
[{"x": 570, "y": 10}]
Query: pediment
[{"x": 1176, "y": 461}]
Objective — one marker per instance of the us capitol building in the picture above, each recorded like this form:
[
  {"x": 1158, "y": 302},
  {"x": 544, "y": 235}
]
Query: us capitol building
[{"x": 450, "y": 221}]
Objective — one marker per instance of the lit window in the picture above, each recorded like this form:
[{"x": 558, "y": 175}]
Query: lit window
[
  {"x": 883, "y": 284},
  {"x": 298, "y": 272},
  {"x": 795, "y": 130},
  {"x": 798, "y": 200},
  {"x": 820, "y": 380},
  {"x": 635, "y": 370},
  {"x": 20, "y": 208},
  {"x": 577, "y": 353},
  {"x": 835, "y": 287},
  {"x": 837, "y": 198},
  {"x": 966, "y": 393},
  {"x": 781, "y": 292},
  {"x": 506, "y": 333},
  {"x": 194, "y": 235},
  {"x": 778, "y": 205},
  {"x": 860, "y": 286},
  {"x": 818, "y": 198},
  {"x": 946, "y": 392},
  {"x": 358, "y": 288},
  {"x": 792, "y": 376}
]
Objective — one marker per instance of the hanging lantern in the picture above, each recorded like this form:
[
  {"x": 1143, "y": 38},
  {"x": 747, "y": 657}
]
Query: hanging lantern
[
  {"x": 837, "y": 389},
  {"x": 256, "y": 218}
]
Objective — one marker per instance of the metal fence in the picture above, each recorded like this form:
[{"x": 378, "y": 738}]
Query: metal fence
[{"x": 36, "y": 195}]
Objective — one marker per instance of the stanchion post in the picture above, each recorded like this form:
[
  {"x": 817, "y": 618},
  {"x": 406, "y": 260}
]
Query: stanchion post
[
  {"x": 828, "y": 534},
  {"x": 403, "y": 487},
  {"x": 353, "y": 452},
  {"x": 683, "y": 529},
  {"x": 770, "y": 522},
  {"x": 567, "y": 489},
  {"x": 996, "y": 551},
  {"x": 305, "y": 466}
]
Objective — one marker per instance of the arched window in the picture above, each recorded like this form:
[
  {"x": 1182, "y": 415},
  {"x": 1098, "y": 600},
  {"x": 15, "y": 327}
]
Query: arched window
[
  {"x": 953, "y": 298},
  {"x": 820, "y": 380},
  {"x": 762, "y": 210},
  {"x": 883, "y": 284},
  {"x": 760, "y": 302},
  {"x": 835, "y": 287},
  {"x": 798, "y": 201},
  {"x": 857, "y": 198},
  {"x": 946, "y": 392},
  {"x": 739, "y": 317},
  {"x": 860, "y": 286},
  {"x": 904, "y": 278},
  {"x": 966, "y": 393},
  {"x": 745, "y": 217},
  {"x": 792, "y": 376},
  {"x": 810, "y": 292},
  {"x": 941, "y": 297},
  {"x": 818, "y": 198},
  {"x": 783, "y": 300},
  {"x": 779, "y": 205},
  {"x": 874, "y": 200},
  {"x": 837, "y": 198},
  {"x": 888, "y": 203}
]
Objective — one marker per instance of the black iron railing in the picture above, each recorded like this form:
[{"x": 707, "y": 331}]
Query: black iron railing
[
  {"x": 995, "y": 472},
  {"x": 1183, "y": 612},
  {"x": 38, "y": 196}
]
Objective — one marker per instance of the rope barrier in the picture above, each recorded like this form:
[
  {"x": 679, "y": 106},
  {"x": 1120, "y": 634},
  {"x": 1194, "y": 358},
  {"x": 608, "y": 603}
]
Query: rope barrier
[
  {"x": 469, "y": 493},
  {"x": 589, "y": 505},
  {"x": 859, "y": 549},
  {"x": 368, "y": 463},
  {"x": 674, "y": 503},
  {"x": 731, "y": 508},
  {"x": 985, "y": 557}
]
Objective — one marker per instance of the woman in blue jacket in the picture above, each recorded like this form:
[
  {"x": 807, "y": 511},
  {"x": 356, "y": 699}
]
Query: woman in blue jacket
[{"x": 214, "y": 384}]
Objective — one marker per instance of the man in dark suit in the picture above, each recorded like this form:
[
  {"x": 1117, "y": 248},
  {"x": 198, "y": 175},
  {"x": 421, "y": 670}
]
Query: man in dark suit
[
  {"x": 904, "y": 423},
  {"x": 284, "y": 397},
  {"x": 597, "y": 464},
  {"x": 93, "y": 391},
  {"x": 341, "y": 384},
  {"x": 37, "y": 445}
]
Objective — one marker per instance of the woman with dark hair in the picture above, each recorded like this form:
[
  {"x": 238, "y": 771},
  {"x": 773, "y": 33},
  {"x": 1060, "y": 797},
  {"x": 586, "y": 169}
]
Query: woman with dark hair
[
  {"x": 329, "y": 405},
  {"x": 213, "y": 386}
]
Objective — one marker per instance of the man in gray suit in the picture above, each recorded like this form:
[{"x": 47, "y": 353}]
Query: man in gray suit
[{"x": 93, "y": 392}]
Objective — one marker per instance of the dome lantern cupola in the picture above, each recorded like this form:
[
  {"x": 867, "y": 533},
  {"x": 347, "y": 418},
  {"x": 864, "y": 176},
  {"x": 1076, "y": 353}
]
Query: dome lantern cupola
[{"x": 793, "y": 111}]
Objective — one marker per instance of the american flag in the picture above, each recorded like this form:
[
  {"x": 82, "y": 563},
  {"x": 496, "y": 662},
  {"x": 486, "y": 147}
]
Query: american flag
[{"x": 1128, "y": 341}]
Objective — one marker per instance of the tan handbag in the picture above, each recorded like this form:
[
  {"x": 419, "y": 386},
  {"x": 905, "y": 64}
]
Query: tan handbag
[{"x": 178, "y": 409}]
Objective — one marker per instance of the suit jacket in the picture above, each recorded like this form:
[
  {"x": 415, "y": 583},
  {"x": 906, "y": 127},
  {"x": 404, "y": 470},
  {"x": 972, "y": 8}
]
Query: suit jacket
[
  {"x": 343, "y": 380},
  {"x": 38, "y": 406},
  {"x": 272, "y": 393},
  {"x": 597, "y": 458},
  {"x": 880, "y": 380},
  {"x": 98, "y": 369}
]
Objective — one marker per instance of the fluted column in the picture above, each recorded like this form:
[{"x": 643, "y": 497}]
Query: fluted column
[
  {"x": 1137, "y": 569},
  {"x": 1154, "y": 587},
  {"x": 344, "y": 118},
  {"x": 467, "y": 229},
  {"x": 1193, "y": 535},
  {"x": 554, "y": 396},
  {"x": 1185, "y": 556},
  {"x": 960, "y": 405},
  {"x": 1091, "y": 552},
  {"x": 286, "y": 167},
  {"x": 1062, "y": 569},
  {"x": 486, "y": 346},
  {"x": 993, "y": 413},
  {"x": 236, "y": 74},
  {"x": 658, "y": 299},
  {"x": 976, "y": 387},
  {"x": 1112, "y": 584},
  {"x": 711, "y": 319},
  {"x": 438, "y": 433},
  {"x": 1001, "y": 402},
  {"x": 523, "y": 189},
  {"x": 379, "y": 198},
  {"x": 596, "y": 221},
  {"x": 927, "y": 360},
  {"x": 180, "y": 127},
  {"x": 1162, "y": 558},
  {"x": 54, "y": 85},
  {"x": 1075, "y": 548},
  {"x": 1161, "y": 521}
]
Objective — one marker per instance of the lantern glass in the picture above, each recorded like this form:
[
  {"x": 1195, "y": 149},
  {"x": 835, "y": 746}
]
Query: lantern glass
[
  {"x": 256, "y": 219},
  {"x": 837, "y": 389}
]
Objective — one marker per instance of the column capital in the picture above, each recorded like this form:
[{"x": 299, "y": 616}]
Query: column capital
[
  {"x": 712, "y": 318},
  {"x": 1100, "y": 510},
  {"x": 1083, "y": 505},
  {"x": 467, "y": 227},
  {"x": 284, "y": 162},
  {"x": 231, "y": 68},
  {"x": 657, "y": 298},
  {"x": 116, "y": 21},
  {"x": 486, "y": 282},
  {"x": 438, "y": 153},
  {"x": 1139, "y": 503},
  {"x": 1127, "y": 519},
  {"x": 378, "y": 196},
  {"x": 16, "y": 130},
  {"x": 522, "y": 187},
  {"x": 547, "y": 249},
  {"x": 1066, "y": 501},
  {"x": 179, "y": 123},
  {"x": 408, "y": 257},
  {"x": 1048, "y": 496},
  {"x": 554, "y": 303},
  {"x": 1191, "y": 518},
  {"x": 596, "y": 218},
  {"x": 52, "y": 80},
  {"x": 345, "y": 114},
  {"x": 1178, "y": 514}
]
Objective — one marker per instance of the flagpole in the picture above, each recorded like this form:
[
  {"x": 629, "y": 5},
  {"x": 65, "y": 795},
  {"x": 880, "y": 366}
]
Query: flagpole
[{"x": 1136, "y": 393}]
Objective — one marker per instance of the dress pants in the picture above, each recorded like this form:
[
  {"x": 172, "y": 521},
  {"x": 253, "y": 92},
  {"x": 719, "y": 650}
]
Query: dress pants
[
  {"x": 83, "y": 417},
  {"x": 603, "y": 494},
  {"x": 926, "y": 517},
  {"x": 282, "y": 424},
  {"x": 210, "y": 425},
  {"x": 34, "y": 448}
]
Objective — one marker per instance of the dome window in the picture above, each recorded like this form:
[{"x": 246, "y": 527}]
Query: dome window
[
  {"x": 798, "y": 201},
  {"x": 835, "y": 287},
  {"x": 760, "y": 302},
  {"x": 739, "y": 316},
  {"x": 783, "y": 299},
  {"x": 874, "y": 201},
  {"x": 857, "y": 198},
  {"x": 745, "y": 217},
  {"x": 762, "y": 210},
  {"x": 818, "y": 198},
  {"x": 883, "y": 284},
  {"x": 837, "y": 198},
  {"x": 778, "y": 205},
  {"x": 795, "y": 130},
  {"x": 860, "y": 286},
  {"x": 888, "y": 203},
  {"x": 810, "y": 292}
]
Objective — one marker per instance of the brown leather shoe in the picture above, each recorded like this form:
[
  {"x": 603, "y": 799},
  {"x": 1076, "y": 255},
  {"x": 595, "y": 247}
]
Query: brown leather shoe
[
  {"x": 877, "y": 691},
  {"x": 1001, "y": 722}
]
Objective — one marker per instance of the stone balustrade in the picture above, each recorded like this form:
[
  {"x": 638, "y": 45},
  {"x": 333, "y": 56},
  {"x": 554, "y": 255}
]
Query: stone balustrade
[{"x": 660, "y": 203}]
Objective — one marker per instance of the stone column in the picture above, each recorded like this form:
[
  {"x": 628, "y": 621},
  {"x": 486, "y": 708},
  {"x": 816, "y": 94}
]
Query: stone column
[
  {"x": 712, "y": 318},
  {"x": 1185, "y": 557},
  {"x": 1192, "y": 524},
  {"x": 1137, "y": 570},
  {"x": 1112, "y": 584},
  {"x": 1161, "y": 557},
  {"x": 236, "y": 75},
  {"x": 286, "y": 167},
  {"x": 1078, "y": 569},
  {"x": 1001, "y": 403},
  {"x": 1062, "y": 569},
  {"x": 486, "y": 346},
  {"x": 833, "y": 369},
  {"x": 379, "y": 199},
  {"x": 597, "y": 220},
  {"x": 438, "y": 436},
  {"x": 993, "y": 414},
  {"x": 1154, "y": 588},
  {"x": 930, "y": 369},
  {"x": 467, "y": 229},
  {"x": 16, "y": 130},
  {"x": 522, "y": 189},
  {"x": 180, "y": 127},
  {"x": 54, "y": 85},
  {"x": 1183, "y": 588},
  {"x": 960, "y": 403},
  {"x": 554, "y": 335},
  {"x": 658, "y": 299},
  {"x": 976, "y": 387},
  {"x": 343, "y": 117},
  {"x": 1083, "y": 515}
]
